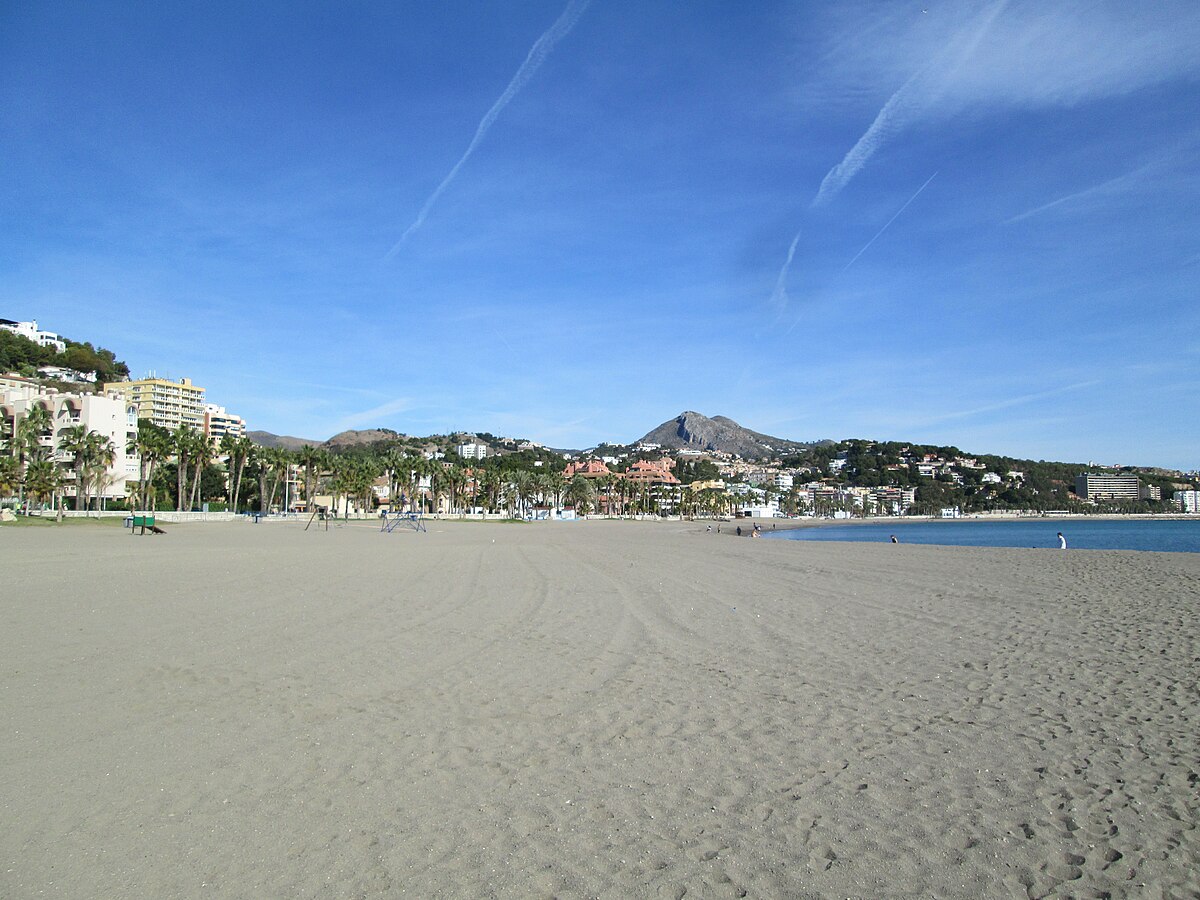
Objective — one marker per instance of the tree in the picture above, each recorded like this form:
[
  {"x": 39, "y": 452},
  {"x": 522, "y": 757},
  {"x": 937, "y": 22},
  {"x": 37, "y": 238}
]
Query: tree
[
  {"x": 154, "y": 444},
  {"x": 98, "y": 457},
  {"x": 74, "y": 440},
  {"x": 582, "y": 494},
  {"x": 237, "y": 451},
  {"x": 10, "y": 476},
  {"x": 202, "y": 455},
  {"x": 181, "y": 446},
  {"x": 42, "y": 480}
]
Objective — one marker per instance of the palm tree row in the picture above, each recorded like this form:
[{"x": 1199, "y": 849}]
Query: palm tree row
[{"x": 409, "y": 481}]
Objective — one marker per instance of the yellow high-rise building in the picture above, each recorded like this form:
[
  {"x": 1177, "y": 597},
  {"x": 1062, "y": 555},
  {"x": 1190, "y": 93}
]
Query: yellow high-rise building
[{"x": 168, "y": 404}]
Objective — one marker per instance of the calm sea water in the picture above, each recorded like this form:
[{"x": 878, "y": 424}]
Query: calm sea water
[{"x": 1082, "y": 534}]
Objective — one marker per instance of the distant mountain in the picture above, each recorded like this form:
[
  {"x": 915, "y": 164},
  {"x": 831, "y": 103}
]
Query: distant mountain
[
  {"x": 358, "y": 438},
  {"x": 691, "y": 430},
  {"x": 266, "y": 439}
]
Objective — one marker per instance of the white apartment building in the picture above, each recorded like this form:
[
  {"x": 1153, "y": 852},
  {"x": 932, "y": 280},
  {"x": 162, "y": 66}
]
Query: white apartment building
[
  {"x": 219, "y": 422},
  {"x": 472, "y": 451},
  {"x": 107, "y": 414},
  {"x": 31, "y": 331},
  {"x": 1189, "y": 501},
  {"x": 784, "y": 481}
]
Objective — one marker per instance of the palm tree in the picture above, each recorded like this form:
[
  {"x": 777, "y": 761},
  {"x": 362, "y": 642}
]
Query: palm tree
[
  {"x": 394, "y": 462},
  {"x": 203, "y": 453},
  {"x": 32, "y": 428},
  {"x": 74, "y": 440},
  {"x": 455, "y": 480},
  {"x": 98, "y": 456},
  {"x": 42, "y": 479},
  {"x": 313, "y": 460},
  {"x": 582, "y": 494},
  {"x": 181, "y": 446},
  {"x": 275, "y": 464},
  {"x": 491, "y": 482},
  {"x": 27, "y": 440},
  {"x": 10, "y": 476},
  {"x": 154, "y": 444},
  {"x": 556, "y": 482},
  {"x": 243, "y": 450}
]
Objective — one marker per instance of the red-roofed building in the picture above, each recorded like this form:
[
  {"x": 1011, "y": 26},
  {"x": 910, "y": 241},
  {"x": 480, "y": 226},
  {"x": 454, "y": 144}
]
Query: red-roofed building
[
  {"x": 650, "y": 473},
  {"x": 590, "y": 468}
]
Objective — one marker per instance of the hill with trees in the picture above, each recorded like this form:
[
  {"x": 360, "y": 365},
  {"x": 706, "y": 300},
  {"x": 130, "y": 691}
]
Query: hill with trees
[{"x": 20, "y": 355}]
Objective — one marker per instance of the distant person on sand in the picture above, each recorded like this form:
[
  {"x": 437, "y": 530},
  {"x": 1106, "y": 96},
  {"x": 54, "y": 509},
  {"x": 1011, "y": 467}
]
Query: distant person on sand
[
  {"x": 739, "y": 531},
  {"x": 894, "y": 541},
  {"x": 1062, "y": 541}
]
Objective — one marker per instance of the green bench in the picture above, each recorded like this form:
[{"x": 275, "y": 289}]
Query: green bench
[{"x": 143, "y": 522}]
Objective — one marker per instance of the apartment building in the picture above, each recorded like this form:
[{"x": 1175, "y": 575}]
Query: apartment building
[
  {"x": 1107, "y": 486},
  {"x": 219, "y": 422},
  {"x": 167, "y": 404},
  {"x": 107, "y": 414},
  {"x": 472, "y": 451}
]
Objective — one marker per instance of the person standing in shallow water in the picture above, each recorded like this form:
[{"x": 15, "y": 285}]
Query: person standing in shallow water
[{"x": 1062, "y": 541}]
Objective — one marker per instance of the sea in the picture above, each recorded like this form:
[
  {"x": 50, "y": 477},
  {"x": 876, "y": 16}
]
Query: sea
[{"x": 1173, "y": 535}]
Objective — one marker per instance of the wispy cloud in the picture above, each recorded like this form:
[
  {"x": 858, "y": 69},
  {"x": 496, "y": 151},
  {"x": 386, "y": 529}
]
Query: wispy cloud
[
  {"x": 1010, "y": 402},
  {"x": 533, "y": 60},
  {"x": 779, "y": 296},
  {"x": 919, "y": 91},
  {"x": 890, "y": 221}
]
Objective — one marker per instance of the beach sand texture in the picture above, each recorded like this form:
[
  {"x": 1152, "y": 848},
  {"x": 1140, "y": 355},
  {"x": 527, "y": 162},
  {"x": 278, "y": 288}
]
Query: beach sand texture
[{"x": 591, "y": 709}]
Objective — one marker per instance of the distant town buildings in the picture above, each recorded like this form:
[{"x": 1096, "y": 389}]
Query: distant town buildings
[
  {"x": 473, "y": 451},
  {"x": 168, "y": 404},
  {"x": 31, "y": 331}
]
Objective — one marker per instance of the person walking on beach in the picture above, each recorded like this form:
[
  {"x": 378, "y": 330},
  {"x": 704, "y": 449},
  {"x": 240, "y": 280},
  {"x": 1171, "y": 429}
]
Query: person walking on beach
[
  {"x": 1062, "y": 541},
  {"x": 894, "y": 541}
]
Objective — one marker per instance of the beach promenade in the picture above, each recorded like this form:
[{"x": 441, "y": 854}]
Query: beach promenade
[{"x": 609, "y": 709}]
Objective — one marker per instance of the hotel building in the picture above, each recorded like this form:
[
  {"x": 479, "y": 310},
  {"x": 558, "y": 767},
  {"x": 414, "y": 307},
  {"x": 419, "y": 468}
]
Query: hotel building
[
  {"x": 1104, "y": 486},
  {"x": 167, "y": 404}
]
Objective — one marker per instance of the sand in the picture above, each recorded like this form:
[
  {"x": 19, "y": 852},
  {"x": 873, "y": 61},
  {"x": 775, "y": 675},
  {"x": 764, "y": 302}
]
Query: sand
[{"x": 591, "y": 709}]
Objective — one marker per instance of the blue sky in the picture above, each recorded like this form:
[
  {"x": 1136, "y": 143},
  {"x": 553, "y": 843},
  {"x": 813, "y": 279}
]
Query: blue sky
[{"x": 945, "y": 222}]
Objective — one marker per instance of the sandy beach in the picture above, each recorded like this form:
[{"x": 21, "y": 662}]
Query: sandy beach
[{"x": 594, "y": 709}]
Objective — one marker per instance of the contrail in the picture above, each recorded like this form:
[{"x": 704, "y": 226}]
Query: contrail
[
  {"x": 779, "y": 297},
  {"x": 1104, "y": 187},
  {"x": 537, "y": 55},
  {"x": 891, "y": 220},
  {"x": 1012, "y": 401},
  {"x": 895, "y": 114}
]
